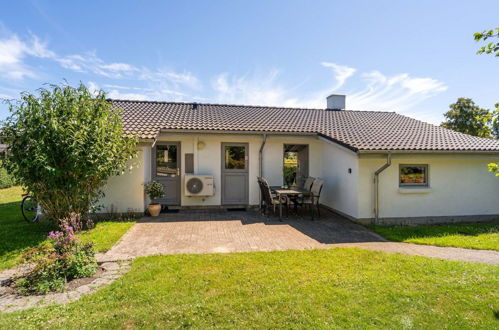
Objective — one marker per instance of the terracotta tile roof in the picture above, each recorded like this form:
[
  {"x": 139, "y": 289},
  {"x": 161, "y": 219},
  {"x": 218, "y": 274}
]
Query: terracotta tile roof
[{"x": 357, "y": 130}]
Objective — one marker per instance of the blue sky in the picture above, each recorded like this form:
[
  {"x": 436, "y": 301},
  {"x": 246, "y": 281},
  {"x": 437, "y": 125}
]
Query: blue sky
[{"x": 414, "y": 58}]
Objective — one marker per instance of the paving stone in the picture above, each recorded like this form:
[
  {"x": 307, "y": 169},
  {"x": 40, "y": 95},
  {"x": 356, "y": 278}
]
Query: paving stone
[
  {"x": 110, "y": 266},
  {"x": 85, "y": 289},
  {"x": 218, "y": 231}
]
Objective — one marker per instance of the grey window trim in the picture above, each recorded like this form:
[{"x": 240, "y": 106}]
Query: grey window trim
[{"x": 423, "y": 185}]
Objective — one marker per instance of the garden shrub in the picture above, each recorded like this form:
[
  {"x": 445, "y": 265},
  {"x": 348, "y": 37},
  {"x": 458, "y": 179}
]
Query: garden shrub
[
  {"x": 5, "y": 179},
  {"x": 52, "y": 265},
  {"x": 75, "y": 142},
  {"x": 154, "y": 190}
]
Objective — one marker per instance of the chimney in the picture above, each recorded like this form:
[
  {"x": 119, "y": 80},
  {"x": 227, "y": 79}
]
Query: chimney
[{"x": 336, "y": 102}]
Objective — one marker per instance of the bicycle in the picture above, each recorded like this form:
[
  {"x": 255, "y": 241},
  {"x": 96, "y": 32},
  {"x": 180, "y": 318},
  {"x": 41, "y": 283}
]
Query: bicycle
[{"x": 30, "y": 208}]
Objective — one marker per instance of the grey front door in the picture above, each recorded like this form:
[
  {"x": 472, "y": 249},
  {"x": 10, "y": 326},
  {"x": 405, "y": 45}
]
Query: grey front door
[
  {"x": 166, "y": 170},
  {"x": 235, "y": 179}
]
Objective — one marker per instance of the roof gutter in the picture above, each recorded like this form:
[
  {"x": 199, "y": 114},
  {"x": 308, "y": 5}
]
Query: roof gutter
[
  {"x": 376, "y": 185},
  {"x": 406, "y": 151}
]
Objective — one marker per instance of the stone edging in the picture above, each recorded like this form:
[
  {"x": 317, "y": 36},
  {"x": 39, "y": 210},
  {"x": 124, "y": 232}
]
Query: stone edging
[{"x": 10, "y": 301}]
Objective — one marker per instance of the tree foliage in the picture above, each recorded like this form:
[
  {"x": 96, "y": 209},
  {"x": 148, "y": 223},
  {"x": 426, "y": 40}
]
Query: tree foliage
[
  {"x": 64, "y": 143},
  {"x": 491, "y": 47},
  {"x": 466, "y": 117},
  {"x": 494, "y": 168}
]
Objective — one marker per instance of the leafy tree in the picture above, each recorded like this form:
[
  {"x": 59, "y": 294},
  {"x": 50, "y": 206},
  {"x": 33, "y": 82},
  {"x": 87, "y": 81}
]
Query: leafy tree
[
  {"x": 494, "y": 168},
  {"x": 491, "y": 47},
  {"x": 64, "y": 143},
  {"x": 466, "y": 117}
]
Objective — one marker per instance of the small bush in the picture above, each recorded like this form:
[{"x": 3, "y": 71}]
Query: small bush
[
  {"x": 154, "y": 190},
  {"x": 6, "y": 180},
  {"x": 54, "y": 264}
]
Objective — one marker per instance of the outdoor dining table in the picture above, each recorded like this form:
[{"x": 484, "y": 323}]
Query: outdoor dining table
[{"x": 288, "y": 192}]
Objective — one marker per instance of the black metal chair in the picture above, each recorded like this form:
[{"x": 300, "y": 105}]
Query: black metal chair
[
  {"x": 306, "y": 185},
  {"x": 312, "y": 200},
  {"x": 269, "y": 200}
]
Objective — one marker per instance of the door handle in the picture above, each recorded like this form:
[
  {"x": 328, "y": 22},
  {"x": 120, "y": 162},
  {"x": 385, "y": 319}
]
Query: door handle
[{"x": 178, "y": 171}]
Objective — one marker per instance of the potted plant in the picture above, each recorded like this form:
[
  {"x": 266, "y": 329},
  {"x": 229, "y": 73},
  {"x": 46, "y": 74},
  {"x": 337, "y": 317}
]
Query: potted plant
[{"x": 154, "y": 190}]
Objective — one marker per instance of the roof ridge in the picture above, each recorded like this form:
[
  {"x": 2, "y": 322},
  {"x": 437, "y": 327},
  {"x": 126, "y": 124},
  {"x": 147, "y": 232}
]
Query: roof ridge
[{"x": 244, "y": 105}]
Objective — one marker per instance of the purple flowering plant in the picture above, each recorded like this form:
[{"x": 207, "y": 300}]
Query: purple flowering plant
[
  {"x": 62, "y": 259},
  {"x": 63, "y": 240}
]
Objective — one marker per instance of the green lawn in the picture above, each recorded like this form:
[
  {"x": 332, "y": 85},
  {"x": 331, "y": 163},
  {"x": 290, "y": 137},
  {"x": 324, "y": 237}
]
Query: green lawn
[
  {"x": 483, "y": 236},
  {"x": 16, "y": 235},
  {"x": 335, "y": 288}
]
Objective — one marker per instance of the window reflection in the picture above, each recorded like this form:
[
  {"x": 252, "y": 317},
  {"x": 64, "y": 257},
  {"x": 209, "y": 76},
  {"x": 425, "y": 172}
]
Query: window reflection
[
  {"x": 235, "y": 157},
  {"x": 166, "y": 160},
  {"x": 413, "y": 175}
]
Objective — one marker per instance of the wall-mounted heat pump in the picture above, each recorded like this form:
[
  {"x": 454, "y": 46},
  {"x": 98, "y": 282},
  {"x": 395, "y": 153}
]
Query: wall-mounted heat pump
[{"x": 199, "y": 185}]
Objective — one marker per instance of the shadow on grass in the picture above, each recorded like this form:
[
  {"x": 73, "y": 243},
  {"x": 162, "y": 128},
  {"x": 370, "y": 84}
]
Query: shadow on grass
[{"x": 16, "y": 235}]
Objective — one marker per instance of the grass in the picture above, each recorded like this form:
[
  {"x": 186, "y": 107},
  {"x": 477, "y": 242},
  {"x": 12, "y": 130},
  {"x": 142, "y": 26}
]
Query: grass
[
  {"x": 483, "y": 236},
  {"x": 16, "y": 235},
  {"x": 335, "y": 288},
  {"x": 106, "y": 234}
]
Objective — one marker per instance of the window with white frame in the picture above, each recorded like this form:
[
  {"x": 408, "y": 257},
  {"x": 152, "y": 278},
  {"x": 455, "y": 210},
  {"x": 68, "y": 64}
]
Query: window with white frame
[{"x": 414, "y": 175}]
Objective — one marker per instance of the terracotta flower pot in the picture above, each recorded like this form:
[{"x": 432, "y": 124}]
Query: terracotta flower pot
[{"x": 154, "y": 209}]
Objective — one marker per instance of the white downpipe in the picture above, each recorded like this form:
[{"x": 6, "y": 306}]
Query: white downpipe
[{"x": 376, "y": 185}]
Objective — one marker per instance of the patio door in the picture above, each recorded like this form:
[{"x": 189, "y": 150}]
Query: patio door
[
  {"x": 296, "y": 164},
  {"x": 166, "y": 170},
  {"x": 235, "y": 178}
]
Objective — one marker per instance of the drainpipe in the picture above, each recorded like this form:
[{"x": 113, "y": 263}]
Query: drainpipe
[
  {"x": 260, "y": 154},
  {"x": 376, "y": 186},
  {"x": 260, "y": 160}
]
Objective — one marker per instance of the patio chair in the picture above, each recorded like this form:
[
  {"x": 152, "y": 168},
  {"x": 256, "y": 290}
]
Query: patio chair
[
  {"x": 312, "y": 200},
  {"x": 308, "y": 183},
  {"x": 261, "y": 181},
  {"x": 269, "y": 200},
  {"x": 262, "y": 193}
]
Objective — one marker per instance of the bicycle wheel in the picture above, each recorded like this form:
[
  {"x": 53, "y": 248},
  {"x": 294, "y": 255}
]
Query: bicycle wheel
[{"x": 29, "y": 208}]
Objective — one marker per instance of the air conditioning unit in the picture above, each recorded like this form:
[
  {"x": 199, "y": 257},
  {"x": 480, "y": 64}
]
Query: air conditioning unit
[{"x": 199, "y": 185}]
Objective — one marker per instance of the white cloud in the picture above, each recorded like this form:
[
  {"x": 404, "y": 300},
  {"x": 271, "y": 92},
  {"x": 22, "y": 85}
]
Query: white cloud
[
  {"x": 117, "y": 95},
  {"x": 341, "y": 73},
  {"x": 13, "y": 51},
  {"x": 90, "y": 62},
  {"x": 373, "y": 90},
  {"x": 5, "y": 97},
  {"x": 112, "y": 86},
  {"x": 117, "y": 67},
  {"x": 376, "y": 91},
  {"x": 256, "y": 89},
  {"x": 399, "y": 92}
]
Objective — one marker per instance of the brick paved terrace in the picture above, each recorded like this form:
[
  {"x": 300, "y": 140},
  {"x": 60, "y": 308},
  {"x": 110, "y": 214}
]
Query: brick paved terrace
[{"x": 219, "y": 231}]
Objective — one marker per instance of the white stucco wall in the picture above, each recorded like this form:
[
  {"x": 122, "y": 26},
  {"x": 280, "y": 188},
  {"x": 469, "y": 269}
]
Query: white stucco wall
[
  {"x": 459, "y": 184},
  {"x": 126, "y": 192},
  {"x": 340, "y": 190},
  {"x": 208, "y": 160}
]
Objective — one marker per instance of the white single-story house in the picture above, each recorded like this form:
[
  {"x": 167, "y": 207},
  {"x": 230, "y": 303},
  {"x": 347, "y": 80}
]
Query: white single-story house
[{"x": 377, "y": 166}]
